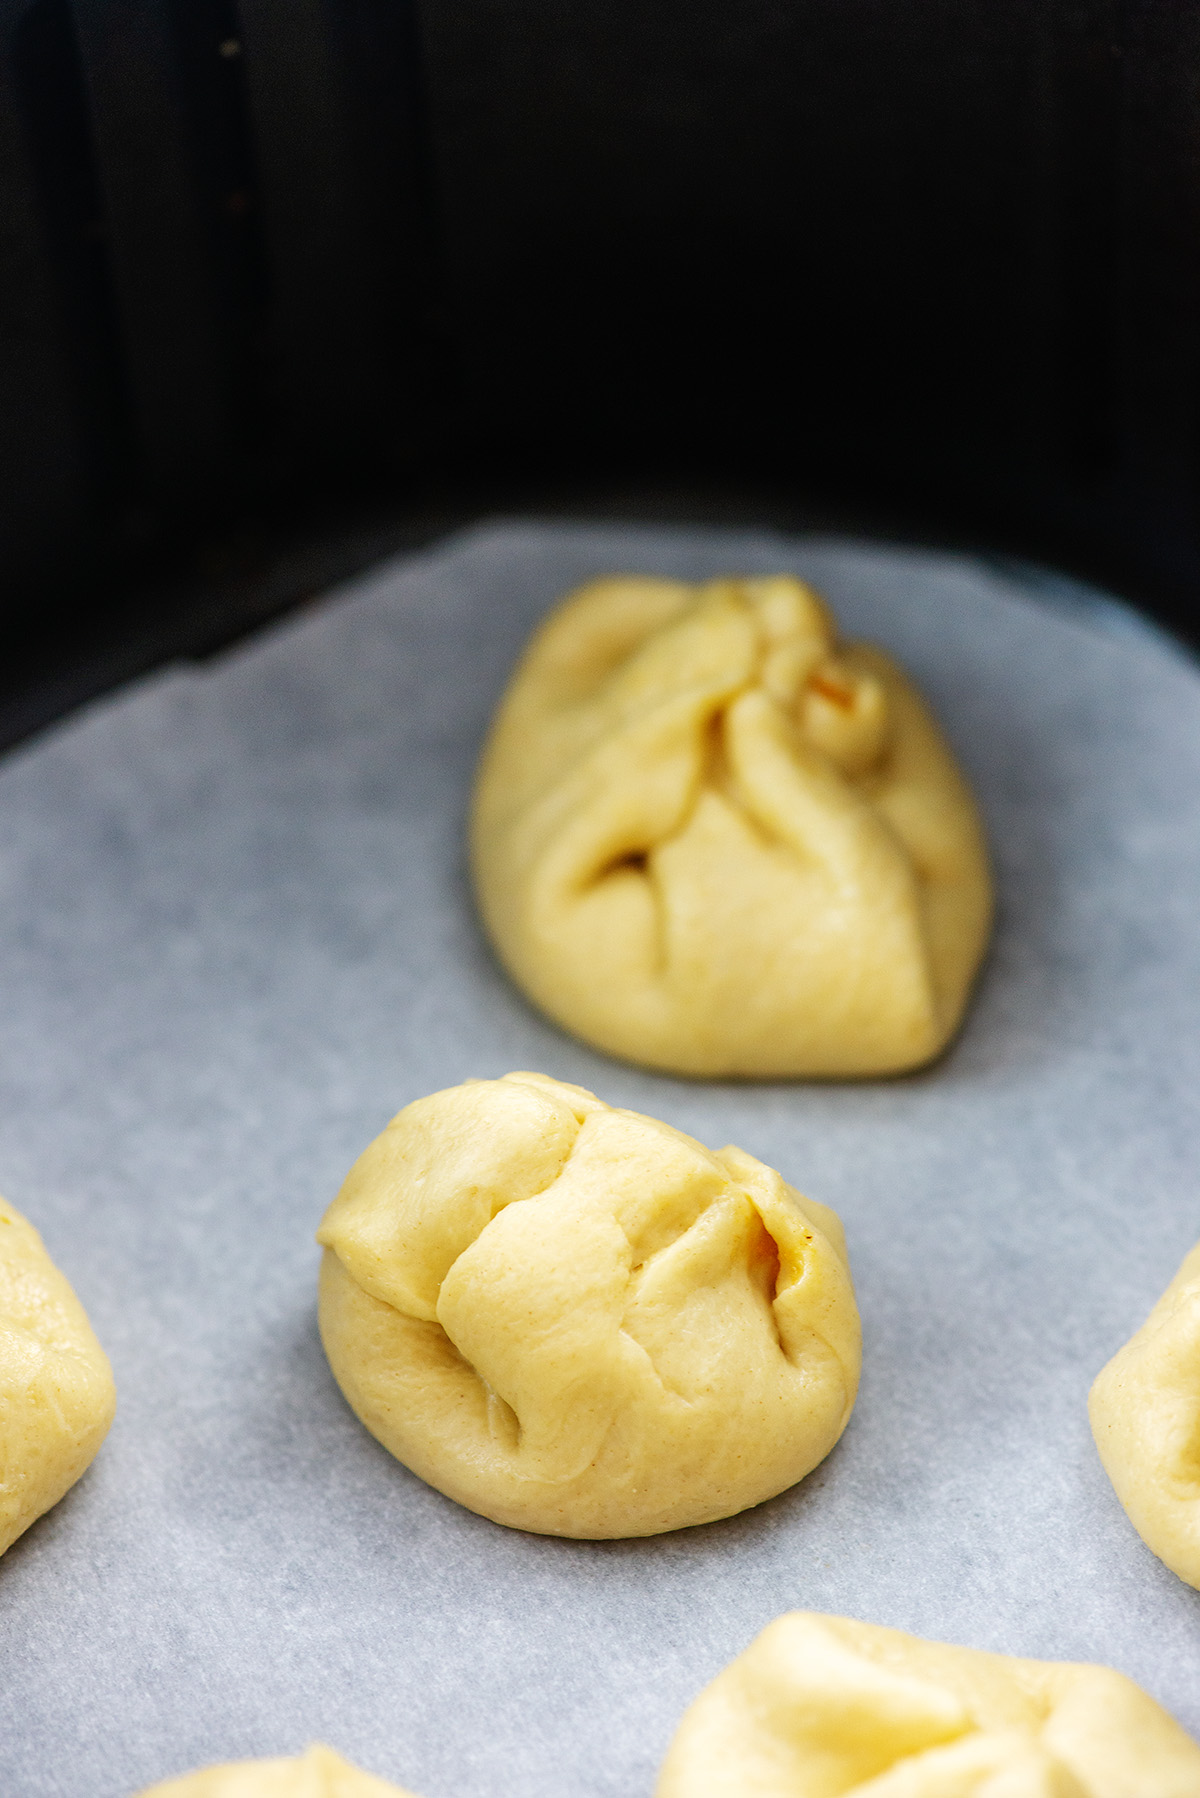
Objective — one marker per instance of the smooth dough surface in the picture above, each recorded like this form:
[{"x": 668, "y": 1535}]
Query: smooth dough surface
[
  {"x": 707, "y": 838},
  {"x": 56, "y": 1388},
  {"x": 579, "y": 1321},
  {"x": 318, "y": 1774},
  {"x": 821, "y": 1707},
  {"x": 1145, "y": 1412}
]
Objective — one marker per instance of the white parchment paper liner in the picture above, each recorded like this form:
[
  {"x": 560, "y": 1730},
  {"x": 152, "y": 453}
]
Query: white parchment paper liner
[{"x": 235, "y": 936}]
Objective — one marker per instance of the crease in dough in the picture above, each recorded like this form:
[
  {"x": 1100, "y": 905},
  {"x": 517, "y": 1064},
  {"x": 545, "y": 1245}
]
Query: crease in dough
[
  {"x": 56, "y": 1388},
  {"x": 826, "y": 1707},
  {"x": 318, "y": 1774},
  {"x": 1145, "y": 1414},
  {"x": 577, "y": 1320},
  {"x": 707, "y": 837}
]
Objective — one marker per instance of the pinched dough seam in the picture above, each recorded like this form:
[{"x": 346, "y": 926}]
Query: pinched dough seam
[
  {"x": 498, "y": 1398},
  {"x": 716, "y": 777},
  {"x": 638, "y": 715}
]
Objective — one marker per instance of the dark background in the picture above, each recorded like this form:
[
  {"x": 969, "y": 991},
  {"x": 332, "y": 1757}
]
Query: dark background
[{"x": 288, "y": 284}]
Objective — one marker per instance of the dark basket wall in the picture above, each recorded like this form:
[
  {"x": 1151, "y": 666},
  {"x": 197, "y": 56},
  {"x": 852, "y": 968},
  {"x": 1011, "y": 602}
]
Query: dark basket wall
[{"x": 944, "y": 254}]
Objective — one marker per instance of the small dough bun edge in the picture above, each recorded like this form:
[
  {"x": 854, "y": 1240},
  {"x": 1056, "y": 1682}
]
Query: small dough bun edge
[
  {"x": 1145, "y": 1414},
  {"x": 56, "y": 1385},
  {"x": 820, "y": 1705}
]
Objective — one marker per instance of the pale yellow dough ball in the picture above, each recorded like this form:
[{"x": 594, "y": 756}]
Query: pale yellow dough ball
[
  {"x": 577, "y": 1320},
  {"x": 1145, "y": 1412},
  {"x": 318, "y": 1774},
  {"x": 56, "y": 1387},
  {"x": 823, "y": 1707},
  {"x": 707, "y": 838}
]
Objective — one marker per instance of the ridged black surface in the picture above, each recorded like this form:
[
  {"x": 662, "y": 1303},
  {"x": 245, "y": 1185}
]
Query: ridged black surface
[{"x": 929, "y": 266}]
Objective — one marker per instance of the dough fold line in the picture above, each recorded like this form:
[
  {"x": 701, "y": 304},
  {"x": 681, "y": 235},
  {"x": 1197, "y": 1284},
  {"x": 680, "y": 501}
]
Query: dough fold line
[{"x": 498, "y": 1398}]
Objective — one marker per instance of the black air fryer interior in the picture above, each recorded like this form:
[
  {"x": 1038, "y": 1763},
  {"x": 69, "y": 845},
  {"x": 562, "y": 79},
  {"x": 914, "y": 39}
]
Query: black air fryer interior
[{"x": 287, "y": 282}]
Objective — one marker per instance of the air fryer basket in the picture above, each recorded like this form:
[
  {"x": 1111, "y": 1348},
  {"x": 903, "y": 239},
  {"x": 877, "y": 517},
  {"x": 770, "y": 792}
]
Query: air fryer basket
[{"x": 910, "y": 264}]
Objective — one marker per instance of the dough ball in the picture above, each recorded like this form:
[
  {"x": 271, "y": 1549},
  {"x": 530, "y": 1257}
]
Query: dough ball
[
  {"x": 1145, "y": 1411},
  {"x": 707, "y": 838},
  {"x": 56, "y": 1388},
  {"x": 318, "y": 1774},
  {"x": 822, "y": 1707},
  {"x": 579, "y": 1321}
]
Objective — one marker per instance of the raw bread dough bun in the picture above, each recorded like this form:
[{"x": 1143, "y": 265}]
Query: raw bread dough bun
[
  {"x": 1145, "y": 1411},
  {"x": 318, "y": 1774},
  {"x": 822, "y": 1706},
  {"x": 707, "y": 839},
  {"x": 579, "y": 1321},
  {"x": 56, "y": 1387}
]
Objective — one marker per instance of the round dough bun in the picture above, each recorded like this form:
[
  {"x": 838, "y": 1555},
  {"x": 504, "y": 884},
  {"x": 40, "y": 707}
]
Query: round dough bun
[
  {"x": 1145, "y": 1412},
  {"x": 318, "y": 1774},
  {"x": 579, "y": 1321},
  {"x": 56, "y": 1387},
  {"x": 822, "y": 1706},
  {"x": 707, "y": 839}
]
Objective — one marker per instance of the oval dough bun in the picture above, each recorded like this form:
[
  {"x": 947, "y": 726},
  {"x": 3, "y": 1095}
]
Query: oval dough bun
[
  {"x": 821, "y": 1707},
  {"x": 56, "y": 1387},
  {"x": 707, "y": 839},
  {"x": 577, "y": 1320},
  {"x": 318, "y": 1774},
  {"x": 1145, "y": 1412}
]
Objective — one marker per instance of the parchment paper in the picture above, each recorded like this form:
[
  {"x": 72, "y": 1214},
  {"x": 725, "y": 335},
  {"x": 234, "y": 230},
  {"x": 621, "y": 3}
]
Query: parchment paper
[{"x": 236, "y": 936}]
